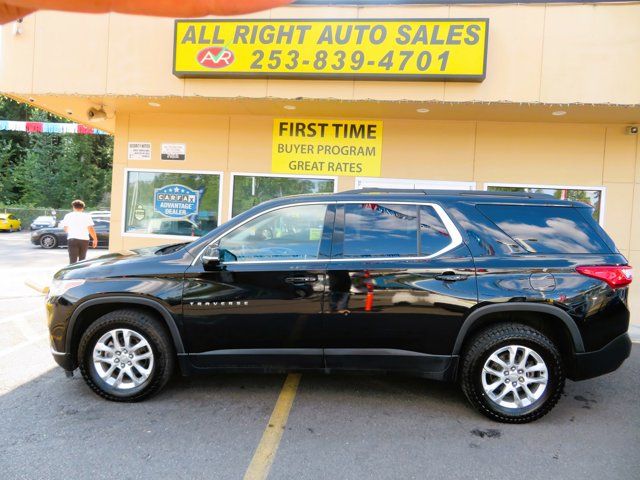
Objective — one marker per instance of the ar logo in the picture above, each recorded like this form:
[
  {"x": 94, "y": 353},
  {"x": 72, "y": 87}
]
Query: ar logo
[{"x": 215, "y": 57}]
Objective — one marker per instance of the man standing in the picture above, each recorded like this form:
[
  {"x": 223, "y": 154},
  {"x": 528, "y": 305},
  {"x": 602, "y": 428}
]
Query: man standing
[{"x": 79, "y": 226}]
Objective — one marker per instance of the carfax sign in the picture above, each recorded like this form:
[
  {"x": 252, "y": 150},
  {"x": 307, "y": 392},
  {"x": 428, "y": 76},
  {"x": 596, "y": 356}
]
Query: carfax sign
[
  {"x": 176, "y": 201},
  {"x": 412, "y": 49},
  {"x": 327, "y": 147}
]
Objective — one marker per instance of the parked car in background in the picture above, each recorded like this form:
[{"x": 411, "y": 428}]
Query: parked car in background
[
  {"x": 174, "y": 226},
  {"x": 43, "y": 222},
  {"x": 56, "y": 236},
  {"x": 100, "y": 214},
  {"x": 9, "y": 222}
]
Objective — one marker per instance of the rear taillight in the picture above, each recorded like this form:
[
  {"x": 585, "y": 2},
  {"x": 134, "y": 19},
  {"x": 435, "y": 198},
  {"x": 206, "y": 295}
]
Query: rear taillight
[{"x": 616, "y": 276}]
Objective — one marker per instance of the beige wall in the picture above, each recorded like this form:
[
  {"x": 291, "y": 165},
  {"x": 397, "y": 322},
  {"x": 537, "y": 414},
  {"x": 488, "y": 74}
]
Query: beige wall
[
  {"x": 533, "y": 153},
  {"x": 537, "y": 53}
]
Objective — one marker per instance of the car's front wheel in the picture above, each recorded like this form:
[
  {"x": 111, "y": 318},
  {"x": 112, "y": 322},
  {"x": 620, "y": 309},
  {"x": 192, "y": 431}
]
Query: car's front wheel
[
  {"x": 48, "y": 241},
  {"x": 512, "y": 373},
  {"x": 126, "y": 356}
]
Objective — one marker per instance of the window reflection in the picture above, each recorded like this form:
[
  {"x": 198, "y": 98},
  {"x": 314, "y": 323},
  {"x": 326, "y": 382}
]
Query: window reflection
[
  {"x": 546, "y": 229},
  {"x": 376, "y": 230},
  {"x": 590, "y": 197},
  {"x": 170, "y": 203},
  {"x": 290, "y": 233}
]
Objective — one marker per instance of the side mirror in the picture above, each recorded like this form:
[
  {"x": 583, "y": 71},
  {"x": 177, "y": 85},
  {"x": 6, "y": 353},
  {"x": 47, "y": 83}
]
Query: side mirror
[{"x": 211, "y": 258}]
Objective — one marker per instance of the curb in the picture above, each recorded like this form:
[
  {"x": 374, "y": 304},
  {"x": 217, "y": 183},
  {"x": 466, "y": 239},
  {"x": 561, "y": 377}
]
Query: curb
[{"x": 40, "y": 288}]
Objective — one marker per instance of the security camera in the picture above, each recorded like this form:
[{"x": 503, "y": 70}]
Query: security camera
[
  {"x": 17, "y": 27},
  {"x": 632, "y": 130},
  {"x": 96, "y": 114}
]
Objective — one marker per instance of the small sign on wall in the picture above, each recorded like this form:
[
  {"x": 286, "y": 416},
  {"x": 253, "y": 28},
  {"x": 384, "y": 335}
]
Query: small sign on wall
[
  {"x": 176, "y": 201},
  {"x": 173, "y": 151},
  {"x": 139, "y": 151},
  {"x": 327, "y": 147}
]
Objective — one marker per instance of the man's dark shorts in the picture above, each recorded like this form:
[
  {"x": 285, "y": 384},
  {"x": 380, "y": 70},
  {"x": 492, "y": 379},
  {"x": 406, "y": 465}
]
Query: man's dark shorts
[{"x": 77, "y": 249}]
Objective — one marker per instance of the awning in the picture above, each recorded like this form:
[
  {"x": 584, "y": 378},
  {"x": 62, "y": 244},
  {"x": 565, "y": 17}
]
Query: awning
[{"x": 15, "y": 9}]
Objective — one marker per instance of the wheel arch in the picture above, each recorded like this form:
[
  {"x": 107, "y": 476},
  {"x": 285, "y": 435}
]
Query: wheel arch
[
  {"x": 556, "y": 321},
  {"x": 96, "y": 307}
]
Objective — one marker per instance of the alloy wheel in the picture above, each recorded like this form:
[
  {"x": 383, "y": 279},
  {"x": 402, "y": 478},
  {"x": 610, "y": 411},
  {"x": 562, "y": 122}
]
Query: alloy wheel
[
  {"x": 514, "y": 376},
  {"x": 123, "y": 358},
  {"x": 48, "y": 241}
]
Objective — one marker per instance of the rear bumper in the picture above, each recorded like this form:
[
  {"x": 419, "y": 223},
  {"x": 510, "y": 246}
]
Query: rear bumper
[{"x": 606, "y": 360}]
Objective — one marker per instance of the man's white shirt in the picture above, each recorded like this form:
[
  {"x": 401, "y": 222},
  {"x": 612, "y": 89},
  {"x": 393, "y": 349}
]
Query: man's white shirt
[{"x": 77, "y": 224}]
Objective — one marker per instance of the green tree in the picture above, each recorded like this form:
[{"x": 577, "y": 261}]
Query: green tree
[{"x": 51, "y": 170}]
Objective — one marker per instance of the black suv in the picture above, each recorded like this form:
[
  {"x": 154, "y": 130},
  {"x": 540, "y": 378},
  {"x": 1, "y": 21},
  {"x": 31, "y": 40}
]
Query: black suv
[{"x": 506, "y": 293}]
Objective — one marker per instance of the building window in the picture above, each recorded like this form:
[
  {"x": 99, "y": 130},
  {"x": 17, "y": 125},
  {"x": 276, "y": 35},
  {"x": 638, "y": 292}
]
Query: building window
[
  {"x": 171, "y": 202},
  {"x": 593, "y": 196},
  {"x": 250, "y": 190}
]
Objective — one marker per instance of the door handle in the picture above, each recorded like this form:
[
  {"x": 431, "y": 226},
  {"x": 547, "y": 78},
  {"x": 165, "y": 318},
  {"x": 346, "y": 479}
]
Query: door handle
[
  {"x": 450, "y": 277},
  {"x": 300, "y": 279}
]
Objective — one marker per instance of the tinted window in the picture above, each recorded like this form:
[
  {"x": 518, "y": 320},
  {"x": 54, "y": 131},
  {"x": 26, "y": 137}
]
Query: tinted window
[
  {"x": 380, "y": 230},
  {"x": 433, "y": 234},
  {"x": 546, "y": 229},
  {"x": 291, "y": 233}
]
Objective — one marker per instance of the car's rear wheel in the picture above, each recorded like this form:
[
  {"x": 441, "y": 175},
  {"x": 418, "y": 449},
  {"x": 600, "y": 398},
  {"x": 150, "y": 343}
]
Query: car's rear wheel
[
  {"x": 126, "y": 356},
  {"x": 512, "y": 373},
  {"x": 48, "y": 241}
]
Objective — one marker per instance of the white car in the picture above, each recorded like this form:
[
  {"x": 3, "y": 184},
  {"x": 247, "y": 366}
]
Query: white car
[{"x": 44, "y": 221}]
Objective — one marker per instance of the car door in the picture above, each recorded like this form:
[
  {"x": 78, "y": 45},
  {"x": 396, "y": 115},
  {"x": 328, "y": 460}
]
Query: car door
[
  {"x": 260, "y": 305},
  {"x": 400, "y": 282}
]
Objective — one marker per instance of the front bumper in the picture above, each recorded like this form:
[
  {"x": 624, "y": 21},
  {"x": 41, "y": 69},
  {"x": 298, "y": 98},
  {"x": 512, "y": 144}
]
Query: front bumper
[
  {"x": 63, "y": 359},
  {"x": 607, "y": 359}
]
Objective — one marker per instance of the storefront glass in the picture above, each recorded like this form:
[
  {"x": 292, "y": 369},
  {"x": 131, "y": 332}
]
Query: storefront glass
[
  {"x": 250, "y": 190},
  {"x": 171, "y": 203},
  {"x": 592, "y": 197}
]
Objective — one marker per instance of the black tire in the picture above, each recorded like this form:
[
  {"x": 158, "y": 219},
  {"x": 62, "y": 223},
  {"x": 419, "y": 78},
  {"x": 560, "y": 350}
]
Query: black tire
[
  {"x": 491, "y": 340},
  {"x": 143, "y": 324},
  {"x": 48, "y": 241}
]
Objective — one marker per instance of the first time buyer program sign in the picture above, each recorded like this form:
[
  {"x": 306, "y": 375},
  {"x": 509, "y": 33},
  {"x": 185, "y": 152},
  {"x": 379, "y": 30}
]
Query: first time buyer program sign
[
  {"x": 403, "y": 49},
  {"x": 327, "y": 147}
]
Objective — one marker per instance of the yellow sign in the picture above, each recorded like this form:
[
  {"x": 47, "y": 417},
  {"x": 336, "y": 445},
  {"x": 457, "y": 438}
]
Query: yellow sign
[
  {"x": 327, "y": 147},
  {"x": 415, "y": 49}
]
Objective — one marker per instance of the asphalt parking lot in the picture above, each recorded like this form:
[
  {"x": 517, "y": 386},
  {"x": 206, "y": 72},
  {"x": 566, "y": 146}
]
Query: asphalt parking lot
[{"x": 338, "y": 427}]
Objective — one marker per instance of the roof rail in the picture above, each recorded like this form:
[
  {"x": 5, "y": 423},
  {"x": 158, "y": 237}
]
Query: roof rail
[
  {"x": 398, "y": 191},
  {"x": 471, "y": 193}
]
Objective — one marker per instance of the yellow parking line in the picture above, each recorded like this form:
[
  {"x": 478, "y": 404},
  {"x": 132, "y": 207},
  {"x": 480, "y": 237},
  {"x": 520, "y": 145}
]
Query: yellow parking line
[{"x": 265, "y": 453}]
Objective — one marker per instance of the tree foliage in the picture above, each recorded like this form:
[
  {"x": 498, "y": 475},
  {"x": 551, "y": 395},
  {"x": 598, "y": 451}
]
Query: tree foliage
[{"x": 51, "y": 170}]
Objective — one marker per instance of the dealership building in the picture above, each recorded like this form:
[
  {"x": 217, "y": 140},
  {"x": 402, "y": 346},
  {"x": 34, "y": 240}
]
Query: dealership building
[{"x": 212, "y": 116}]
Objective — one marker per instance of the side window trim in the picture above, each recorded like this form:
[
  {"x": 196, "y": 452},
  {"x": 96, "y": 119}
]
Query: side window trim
[{"x": 456, "y": 237}]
